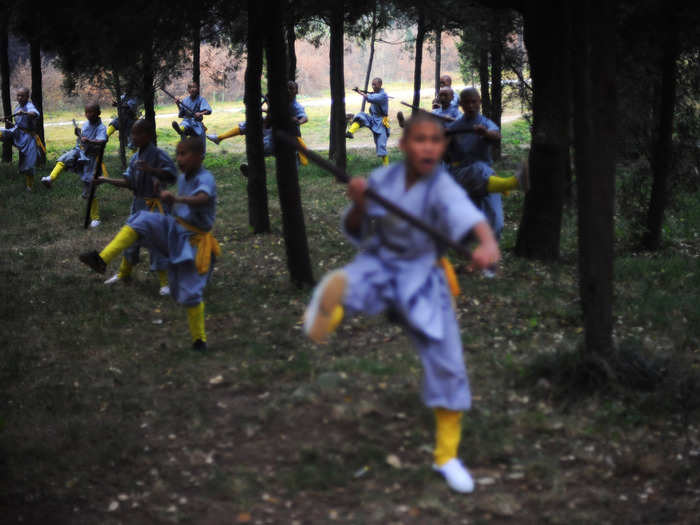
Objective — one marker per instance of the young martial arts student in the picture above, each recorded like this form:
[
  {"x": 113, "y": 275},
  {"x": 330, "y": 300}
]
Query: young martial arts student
[
  {"x": 377, "y": 120},
  {"x": 150, "y": 170},
  {"x": 82, "y": 159},
  {"x": 397, "y": 270},
  {"x": 183, "y": 237}
]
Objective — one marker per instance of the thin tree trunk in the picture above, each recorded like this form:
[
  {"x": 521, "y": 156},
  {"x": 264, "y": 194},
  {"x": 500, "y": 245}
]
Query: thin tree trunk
[
  {"x": 5, "y": 85},
  {"x": 148, "y": 83},
  {"x": 438, "y": 60},
  {"x": 662, "y": 156},
  {"x": 37, "y": 90},
  {"x": 420, "y": 37},
  {"x": 595, "y": 138},
  {"x": 484, "y": 76},
  {"x": 337, "y": 85},
  {"x": 123, "y": 139},
  {"x": 371, "y": 57},
  {"x": 290, "y": 33},
  {"x": 196, "y": 49},
  {"x": 548, "y": 47},
  {"x": 258, "y": 213},
  {"x": 497, "y": 38},
  {"x": 293, "y": 228}
]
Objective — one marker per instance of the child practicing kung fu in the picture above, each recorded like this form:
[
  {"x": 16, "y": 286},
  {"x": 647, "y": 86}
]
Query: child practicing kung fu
[
  {"x": 184, "y": 237},
  {"x": 192, "y": 112},
  {"x": 83, "y": 157},
  {"x": 397, "y": 270},
  {"x": 150, "y": 170},
  {"x": 377, "y": 120},
  {"x": 22, "y": 136}
]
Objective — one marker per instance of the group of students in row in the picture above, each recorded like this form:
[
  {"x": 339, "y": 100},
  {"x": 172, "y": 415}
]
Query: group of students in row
[{"x": 398, "y": 268}]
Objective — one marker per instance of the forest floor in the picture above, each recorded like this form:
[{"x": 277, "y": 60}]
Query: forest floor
[{"x": 107, "y": 416}]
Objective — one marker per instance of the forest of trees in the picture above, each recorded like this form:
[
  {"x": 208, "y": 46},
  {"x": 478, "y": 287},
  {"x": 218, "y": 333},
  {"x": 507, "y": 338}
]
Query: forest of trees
[{"x": 580, "y": 67}]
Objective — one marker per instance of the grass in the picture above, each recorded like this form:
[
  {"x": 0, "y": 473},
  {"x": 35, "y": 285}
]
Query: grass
[{"x": 102, "y": 402}]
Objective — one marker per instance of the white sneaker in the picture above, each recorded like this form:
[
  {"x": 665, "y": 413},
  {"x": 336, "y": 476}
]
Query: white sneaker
[
  {"x": 326, "y": 297},
  {"x": 456, "y": 475},
  {"x": 164, "y": 290},
  {"x": 28, "y": 189},
  {"x": 488, "y": 273},
  {"x": 46, "y": 181},
  {"x": 112, "y": 280},
  {"x": 214, "y": 139},
  {"x": 95, "y": 223}
]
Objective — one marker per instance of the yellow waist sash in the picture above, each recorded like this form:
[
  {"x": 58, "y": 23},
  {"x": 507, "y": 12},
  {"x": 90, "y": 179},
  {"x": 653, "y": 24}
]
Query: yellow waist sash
[
  {"x": 450, "y": 275},
  {"x": 153, "y": 204},
  {"x": 206, "y": 245},
  {"x": 385, "y": 121}
]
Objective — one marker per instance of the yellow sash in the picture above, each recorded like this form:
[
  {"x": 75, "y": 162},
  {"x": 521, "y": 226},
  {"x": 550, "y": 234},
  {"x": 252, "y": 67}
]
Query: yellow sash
[
  {"x": 206, "y": 245},
  {"x": 450, "y": 275},
  {"x": 37, "y": 138},
  {"x": 385, "y": 121},
  {"x": 153, "y": 204},
  {"x": 302, "y": 158}
]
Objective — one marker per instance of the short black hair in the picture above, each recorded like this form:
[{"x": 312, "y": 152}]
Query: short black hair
[
  {"x": 420, "y": 118},
  {"x": 143, "y": 125},
  {"x": 93, "y": 105},
  {"x": 193, "y": 145}
]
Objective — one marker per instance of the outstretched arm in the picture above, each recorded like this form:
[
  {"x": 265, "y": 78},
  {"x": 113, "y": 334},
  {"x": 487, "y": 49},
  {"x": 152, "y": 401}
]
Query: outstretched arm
[
  {"x": 487, "y": 253},
  {"x": 199, "y": 199}
]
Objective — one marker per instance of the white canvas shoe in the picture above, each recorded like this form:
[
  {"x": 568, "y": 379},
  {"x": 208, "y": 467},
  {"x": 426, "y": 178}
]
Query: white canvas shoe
[
  {"x": 46, "y": 181},
  {"x": 95, "y": 223},
  {"x": 113, "y": 280},
  {"x": 456, "y": 475},
  {"x": 214, "y": 139},
  {"x": 318, "y": 319},
  {"x": 164, "y": 290}
]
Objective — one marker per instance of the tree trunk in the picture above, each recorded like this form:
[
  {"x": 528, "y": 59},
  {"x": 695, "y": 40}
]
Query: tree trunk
[
  {"x": 258, "y": 213},
  {"x": 196, "y": 49},
  {"x": 291, "y": 42},
  {"x": 595, "y": 139},
  {"x": 337, "y": 85},
  {"x": 123, "y": 139},
  {"x": 5, "y": 85},
  {"x": 148, "y": 83},
  {"x": 371, "y": 57},
  {"x": 484, "y": 75},
  {"x": 420, "y": 37},
  {"x": 37, "y": 90},
  {"x": 438, "y": 60},
  {"x": 496, "y": 51},
  {"x": 548, "y": 47},
  {"x": 293, "y": 228},
  {"x": 662, "y": 156}
]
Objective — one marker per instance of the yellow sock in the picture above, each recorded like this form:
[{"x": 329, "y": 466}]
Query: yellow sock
[
  {"x": 105, "y": 173},
  {"x": 448, "y": 432},
  {"x": 502, "y": 184},
  {"x": 354, "y": 127},
  {"x": 125, "y": 269},
  {"x": 125, "y": 238},
  {"x": 336, "y": 318},
  {"x": 29, "y": 180},
  {"x": 302, "y": 158},
  {"x": 57, "y": 169},
  {"x": 233, "y": 132},
  {"x": 110, "y": 130},
  {"x": 163, "y": 277},
  {"x": 195, "y": 319},
  {"x": 385, "y": 160},
  {"x": 94, "y": 210}
]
